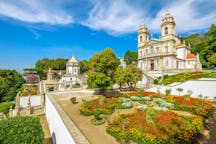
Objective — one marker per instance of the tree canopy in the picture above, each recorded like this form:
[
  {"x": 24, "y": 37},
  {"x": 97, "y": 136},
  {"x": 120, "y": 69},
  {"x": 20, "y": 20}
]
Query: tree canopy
[
  {"x": 205, "y": 45},
  {"x": 102, "y": 68},
  {"x": 10, "y": 82},
  {"x": 130, "y": 57},
  {"x": 84, "y": 66},
  {"x": 55, "y": 64},
  {"x": 129, "y": 75}
]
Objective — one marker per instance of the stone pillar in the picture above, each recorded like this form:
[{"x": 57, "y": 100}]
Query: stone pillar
[
  {"x": 43, "y": 99},
  {"x": 29, "y": 106},
  {"x": 17, "y": 107},
  {"x": 11, "y": 112},
  {"x": 198, "y": 64}
]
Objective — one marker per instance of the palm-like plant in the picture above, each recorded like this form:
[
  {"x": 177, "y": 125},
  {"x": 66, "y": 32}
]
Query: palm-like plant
[{"x": 179, "y": 90}]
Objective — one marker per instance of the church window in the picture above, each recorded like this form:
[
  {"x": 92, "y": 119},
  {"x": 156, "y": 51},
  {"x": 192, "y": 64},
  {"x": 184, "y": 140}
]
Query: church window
[
  {"x": 146, "y": 52},
  {"x": 157, "y": 49},
  {"x": 166, "y": 30},
  {"x": 167, "y": 62},
  {"x": 152, "y": 50},
  {"x": 141, "y": 39},
  {"x": 166, "y": 49}
]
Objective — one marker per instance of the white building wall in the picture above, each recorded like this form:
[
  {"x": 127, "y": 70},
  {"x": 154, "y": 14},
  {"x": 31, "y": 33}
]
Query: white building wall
[
  {"x": 34, "y": 100},
  {"x": 190, "y": 64},
  {"x": 181, "y": 64},
  {"x": 56, "y": 125},
  {"x": 180, "y": 53}
]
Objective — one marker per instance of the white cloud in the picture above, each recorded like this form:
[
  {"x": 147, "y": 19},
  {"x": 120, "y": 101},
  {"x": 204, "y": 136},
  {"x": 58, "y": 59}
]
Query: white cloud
[
  {"x": 35, "y": 11},
  {"x": 187, "y": 16},
  {"x": 116, "y": 18},
  {"x": 120, "y": 17}
]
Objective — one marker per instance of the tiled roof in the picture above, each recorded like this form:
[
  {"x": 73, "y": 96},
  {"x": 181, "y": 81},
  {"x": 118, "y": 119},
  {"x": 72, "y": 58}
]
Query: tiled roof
[{"x": 190, "y": 56}]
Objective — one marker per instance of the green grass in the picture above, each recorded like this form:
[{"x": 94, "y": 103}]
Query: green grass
[
  {"x": 5, "y": 107},
  {"x": 182, "y": 77}
]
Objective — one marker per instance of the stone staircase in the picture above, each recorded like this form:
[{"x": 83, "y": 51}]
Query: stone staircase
[{"x": 150, "y": 80}]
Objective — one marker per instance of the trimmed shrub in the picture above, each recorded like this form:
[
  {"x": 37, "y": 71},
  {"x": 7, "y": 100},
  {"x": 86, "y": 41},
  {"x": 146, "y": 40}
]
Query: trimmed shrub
[
  {"x": 168, "y": 91},
  {"x": 21, "y": 130},
  {"x": 5, "y": 107}
]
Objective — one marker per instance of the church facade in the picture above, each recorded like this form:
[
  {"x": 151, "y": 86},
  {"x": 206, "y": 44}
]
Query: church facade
[{"x": 166, "y": 53}]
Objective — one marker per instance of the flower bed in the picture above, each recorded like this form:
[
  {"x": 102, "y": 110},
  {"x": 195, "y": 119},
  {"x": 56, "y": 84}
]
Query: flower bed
[
  {"x": 194, "y": 105},
  {"x": 104, "y": 105},
  {"x": 181, "y": 77},
  {"x": 163, "y": 127}
]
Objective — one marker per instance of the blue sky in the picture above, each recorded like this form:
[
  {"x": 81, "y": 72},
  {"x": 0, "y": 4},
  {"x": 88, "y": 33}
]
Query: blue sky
[{"x": 34, "y": 29}]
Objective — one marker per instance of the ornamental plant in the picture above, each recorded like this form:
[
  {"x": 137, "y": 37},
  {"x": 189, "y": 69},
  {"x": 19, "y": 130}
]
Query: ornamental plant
[
  {"x": 164, "y": 127},
  {"x": 168, "y": 91},
  {"x": 179, "y": 90}
]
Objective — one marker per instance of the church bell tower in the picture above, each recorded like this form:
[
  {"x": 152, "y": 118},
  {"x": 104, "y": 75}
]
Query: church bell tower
[
  {"x": 142, "y": 34},
  {"x": 168, "y": 26}
]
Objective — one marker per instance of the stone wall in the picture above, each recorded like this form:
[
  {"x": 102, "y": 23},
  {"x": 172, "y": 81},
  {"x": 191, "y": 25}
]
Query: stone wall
[{"x": 62, "y": 129}]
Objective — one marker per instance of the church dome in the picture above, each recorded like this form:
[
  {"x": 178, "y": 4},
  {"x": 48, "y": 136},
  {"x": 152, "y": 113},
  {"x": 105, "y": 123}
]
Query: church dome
[
  {"x": 143, "y": 28},
  {"x": 168, "y": 18}
]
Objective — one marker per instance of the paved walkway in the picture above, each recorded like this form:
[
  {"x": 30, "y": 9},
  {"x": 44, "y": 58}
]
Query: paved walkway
[
  {"x": 204, "y": 87},
  {"x": 44, "y": 124},
  {"x": 95, "y": 134}
]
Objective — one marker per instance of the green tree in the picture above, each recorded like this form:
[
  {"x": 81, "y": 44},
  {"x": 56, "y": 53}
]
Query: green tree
[
  {"x": 132, "y": 75},
  {"x": 101, "y": 81},
  {"x": 55, "y": 64},
  {"x": 212, "y": 59},
  {"x": 105, "y": 62},
  {"x": 204, "y": 44},
  {"x": 130, "y": 57},
  {"x": 10, "y": 82},
  {"x": 43, "y": 64},
  {"x": 101, "y": 69},
  {"x": 119, "y": 76},
  {"x": 84, "y": 66}
]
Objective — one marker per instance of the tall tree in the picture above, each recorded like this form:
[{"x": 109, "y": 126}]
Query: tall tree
[
  {"x": 130, "y": 57},
  {"x": 103, "y": 64},
  {"x": 10, "y": 82},
  {"x": 132, "y": 75},
  {"x": 84, "y": 66},
  {"x": 204, "y": 44},
  {"x": 119, "y": 76}
]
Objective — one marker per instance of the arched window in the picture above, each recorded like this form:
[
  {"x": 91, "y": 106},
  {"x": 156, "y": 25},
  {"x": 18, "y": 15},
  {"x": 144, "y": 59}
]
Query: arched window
[
  {"x": 141, "y": 39},
  {"x": 166, "y": 30}
]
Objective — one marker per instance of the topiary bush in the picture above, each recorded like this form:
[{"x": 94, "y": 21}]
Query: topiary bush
[
  {"x": 21, "y": 130},
  {"x": 5, "y": 106}
]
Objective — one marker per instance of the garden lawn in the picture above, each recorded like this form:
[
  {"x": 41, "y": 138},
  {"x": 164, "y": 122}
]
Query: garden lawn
[{"x": 182, "y": 77}]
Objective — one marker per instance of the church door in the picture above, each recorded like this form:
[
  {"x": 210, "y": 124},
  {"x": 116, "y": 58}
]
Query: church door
[{"x": 152, "y": 64}]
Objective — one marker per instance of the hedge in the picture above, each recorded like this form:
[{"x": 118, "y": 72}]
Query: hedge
[
  {"x": 21, "y": 130},
  {"x": 5, "y": 107}
]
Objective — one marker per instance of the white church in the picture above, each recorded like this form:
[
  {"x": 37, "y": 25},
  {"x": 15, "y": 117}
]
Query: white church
[{"x": 166, "y": 53}]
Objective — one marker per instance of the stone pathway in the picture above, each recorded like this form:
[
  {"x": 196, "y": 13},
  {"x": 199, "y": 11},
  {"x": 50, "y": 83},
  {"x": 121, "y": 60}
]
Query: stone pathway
[{"x": 44, "y": 124}]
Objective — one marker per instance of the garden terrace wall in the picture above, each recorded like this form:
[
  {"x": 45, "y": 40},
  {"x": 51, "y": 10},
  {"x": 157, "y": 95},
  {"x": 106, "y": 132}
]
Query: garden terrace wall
[{"x": 62, "y": 129}]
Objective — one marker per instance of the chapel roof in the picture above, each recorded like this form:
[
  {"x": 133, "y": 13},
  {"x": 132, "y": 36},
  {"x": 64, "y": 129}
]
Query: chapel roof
[
  {"x": 73, "y": 59},
  {"x": 190, "y": 56}
]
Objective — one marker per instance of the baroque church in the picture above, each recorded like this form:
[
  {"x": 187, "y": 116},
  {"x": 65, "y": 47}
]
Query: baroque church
[{"x": 166, "y": 53}]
